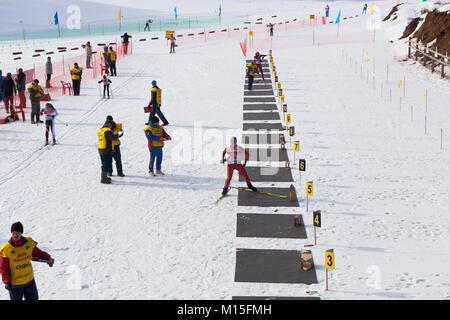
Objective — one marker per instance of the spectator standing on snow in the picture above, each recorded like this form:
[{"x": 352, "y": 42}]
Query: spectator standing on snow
[
  {"x": 8, "y": 90},
  {"x": 50, "y": 113},
  {"x": 147, "y": 25},
  {"x": 105, "y": 149},
  {"x": 112, "y": 56},
  {"x": 125, "y": 40},
  {"x": 116, "y": 128},
  {"x": 365, "y": 8},
  {"x": 155, "y": 105},
  {"x": 250, "y": 74},
  {"x": 35, "y": 92},
  {"x": 76, "y": 73},
  {"x": 172, "y": 43},
  {"x": 15, "y": 264},
  {"x": 156, "y": 136},
  {"x": 49, "y": 72},
  {"x": 88, "y": 55},
  {"x": 105, "y": 55},
  {"x": 327, "y": 11},
  {"x": 234, "y": 155},
  {"x": 21, "y": 80},
  {"x": 106, "y": 82},
  {"x": 271, "y": 29}
]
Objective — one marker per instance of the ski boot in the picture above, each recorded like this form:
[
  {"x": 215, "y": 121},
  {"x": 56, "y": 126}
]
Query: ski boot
[
  {"x": 160, "y": 172},
  {"x": 105, "y": 178},
  {"x": 120, "y": 174},
  {"x": 46, "y": 142},
  {"x": 151, "y": 174},
  {"x": 224, "y": 192},
  {"x": 54, "y": 142},
  {"x": 251, "y": 187},
  {"x": 110, "y": 174}
]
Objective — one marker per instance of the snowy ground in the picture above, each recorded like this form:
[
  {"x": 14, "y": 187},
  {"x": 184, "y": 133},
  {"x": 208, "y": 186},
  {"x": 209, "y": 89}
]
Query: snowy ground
[{"x": 381, "y": 183}]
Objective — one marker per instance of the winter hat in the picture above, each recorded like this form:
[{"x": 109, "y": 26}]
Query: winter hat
[
  {"x": 109, "y": 118},
  {"x": 155, "y": 120},
  {"x": 104, "y": 76},
  {"x": 17, "y": 226},
  {"x": 154, "y": 83}
]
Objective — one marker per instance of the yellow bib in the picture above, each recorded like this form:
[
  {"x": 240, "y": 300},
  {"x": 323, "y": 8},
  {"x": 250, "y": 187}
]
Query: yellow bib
[
  {"x": 112, "y": 55},
  {"x": 118, "y": 128},
  {"x": 37, "y": 88},
  {"x": 102, "y": 138},
  {"x": 19, "y": 261},
  {"x": 76, "y": 70},
  {"x": 157, "y": 132},
  {"x": 158, "y": 95}
]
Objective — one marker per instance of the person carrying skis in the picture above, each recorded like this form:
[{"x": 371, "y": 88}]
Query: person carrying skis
[
  {"x": 76, "y": 73},
  {"x": 156, "y": 136},
  {"x": 50, "y": 113},
  {"x": 35, "y": 92},
  {"x": 172, "y": 43},
  {"x": 251, "y": 74},
  {"x": 125, "y": 40},
  {"x": 258, "y": 59},
  {"x": 106, "y": 150},
  {"x": 15, "y": 264},
  {"x": 327, "y": 11},
  {"x": 116, "y": 127},
  {"x": 106, "y": 82},
  {"x": 155, "y": 105},
  {"x": 112, "y": 56},
  {"x": 234, "y": 157}
]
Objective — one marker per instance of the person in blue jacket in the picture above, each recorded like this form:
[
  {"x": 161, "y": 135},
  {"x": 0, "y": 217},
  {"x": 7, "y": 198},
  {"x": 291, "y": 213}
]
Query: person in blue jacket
[
  {"x": 156, "y": 136},
  {"x": 327, "y": 11}
]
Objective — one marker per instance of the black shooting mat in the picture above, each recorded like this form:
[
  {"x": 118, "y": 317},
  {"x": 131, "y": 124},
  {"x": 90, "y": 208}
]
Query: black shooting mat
[
  {"x": 258, "y": 225},
  {"x": 260, "y": 87},
  {"x": 258, "y": 81},
  {"x": 261, "y": 138},
  {"x": 268, "y": 174},
  {"x": 256, "y": 199},
  {"x": 262, "y": 126},
  {"x": 259, "y": 93},
  {"x": 259, "y": 99},
  {"x": 268, "y": 154},
  {"x": 261, "y": 116},
  {"x": 260, "y": 106},
  {"x": 272, "y": 266}
]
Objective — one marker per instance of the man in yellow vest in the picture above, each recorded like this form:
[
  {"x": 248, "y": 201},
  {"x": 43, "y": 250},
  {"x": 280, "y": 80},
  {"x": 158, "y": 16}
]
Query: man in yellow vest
[
  {"x": 76, "y": 73},
  {"x": 35, "y": 92},
  {"x": 116, "y": 127},
  {"x": 15, "y": 264},
  {"x": 106, "y": 149},
  {"x": 155, "y": 105},
  {"x": 112, "y": 55},
  {"x": 156, "y": 136}
]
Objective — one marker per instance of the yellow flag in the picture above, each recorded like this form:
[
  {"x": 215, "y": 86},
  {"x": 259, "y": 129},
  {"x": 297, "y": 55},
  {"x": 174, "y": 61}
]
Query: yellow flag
[
  {"x": 372, "y": 6},
  {"x": 119, "y": 17},
  {"x": 399, "y": 83}
]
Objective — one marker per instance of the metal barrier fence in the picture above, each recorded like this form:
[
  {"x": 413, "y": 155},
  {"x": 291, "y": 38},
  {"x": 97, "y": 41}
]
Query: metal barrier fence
[{"x": 428, "y": 55}]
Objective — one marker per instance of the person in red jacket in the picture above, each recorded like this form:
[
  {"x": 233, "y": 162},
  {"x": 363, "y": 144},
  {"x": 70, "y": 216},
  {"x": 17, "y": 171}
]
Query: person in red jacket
[
  {"x": 15, "y": 264},
  {"x": 234, "y": 157},
  {"x": 258, "y": 59}
]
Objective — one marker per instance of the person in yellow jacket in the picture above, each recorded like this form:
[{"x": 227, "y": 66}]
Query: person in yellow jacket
[
  {"x": 15, "y": 264},
  {"x": 116, "y": 128},
  {"x": 76, "y": 74},
  {"x": 106, "y": 137},
  {"x": 156, "y": 136},
  {"x": 112, "y": 55},
  {"x": 35, "y": 92},
  {"x": 251, "y": 67}
]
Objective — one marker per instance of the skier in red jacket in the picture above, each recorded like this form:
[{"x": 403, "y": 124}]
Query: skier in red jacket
[
  {"x": 234, "y": 153},
  {"x": 258, "y": 59}
]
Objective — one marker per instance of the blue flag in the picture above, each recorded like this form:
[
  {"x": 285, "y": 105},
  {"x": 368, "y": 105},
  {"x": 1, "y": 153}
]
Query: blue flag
[
  {"x": 56, "y": 18},
  {"x": 176, "y": 14},
  {"x": 338, "y": 19}
]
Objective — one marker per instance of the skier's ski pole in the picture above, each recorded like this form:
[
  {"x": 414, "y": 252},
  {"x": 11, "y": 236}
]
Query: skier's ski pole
[
  {"x": 39, "y": 260},
  {"x": 99, "y": 91},
  {"x": 62, "y": 122}
]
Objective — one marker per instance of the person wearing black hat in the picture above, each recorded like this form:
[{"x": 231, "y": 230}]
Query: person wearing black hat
[
  {"x": 116, "y": 128},
  {"x": 15, "y": 264},
  {"x": 105, "y": 139}
]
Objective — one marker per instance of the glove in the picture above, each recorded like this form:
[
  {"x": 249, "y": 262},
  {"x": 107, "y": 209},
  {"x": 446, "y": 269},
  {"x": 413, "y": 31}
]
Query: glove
[
  {"x": 121, "y": 134},
  {"x": 51, "y": 261},
  {"x": 222, "y": 161},
  {"x": 8, "y": 286},
  {"x": 245, "y": 163}
]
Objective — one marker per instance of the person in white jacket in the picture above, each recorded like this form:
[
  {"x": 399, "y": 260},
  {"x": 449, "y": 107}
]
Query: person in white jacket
[
  {"x": 50, "y": 113},
  {"x": 49, "y": 72}
]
